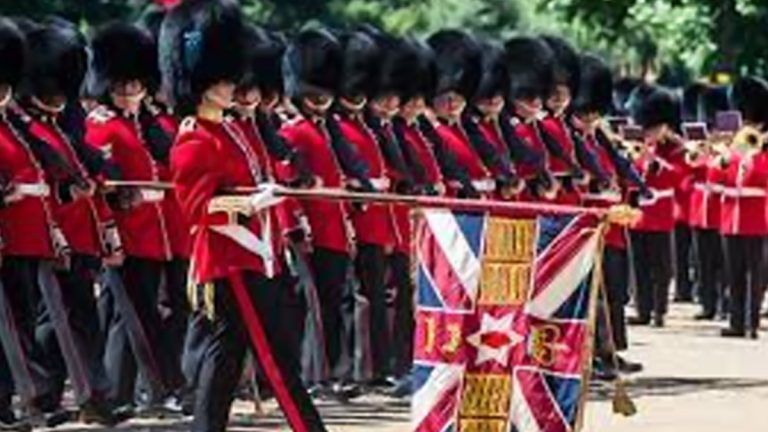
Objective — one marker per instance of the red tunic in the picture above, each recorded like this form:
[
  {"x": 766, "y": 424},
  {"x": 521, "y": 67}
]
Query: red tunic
[
  {"x": 144, "y": 227},
  {"x": 327, "y": 219},
  {"x": 78, "y": 219},
  {"x": 374, "y": 223},
  {"x": 423, "y": 151},
  {"x": 658, "y": 212},
  {"x": 207, "y": 158},
  {"x": 177, "y": 227},
  {"x": 527, "y": 132},
  {"x": 743, "y": 210},
  {"x": 456, "y": 142},
  {"x": 615, "y": 236},
  {"x": 557, "y": 129},
  {"x": 706, "y": 194},
  {"x": 24, "y": 224}
]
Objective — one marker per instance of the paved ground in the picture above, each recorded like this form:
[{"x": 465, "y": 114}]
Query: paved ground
[{"x": 694, "y": 381}]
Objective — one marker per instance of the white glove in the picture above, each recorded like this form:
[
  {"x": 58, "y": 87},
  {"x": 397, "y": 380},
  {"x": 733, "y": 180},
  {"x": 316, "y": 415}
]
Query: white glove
[{"x": 265, "y": 197}]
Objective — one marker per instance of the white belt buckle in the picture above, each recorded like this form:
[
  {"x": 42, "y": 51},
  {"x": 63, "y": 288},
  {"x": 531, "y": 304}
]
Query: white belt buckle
[
  {"x": 34, "y": 189},
  {"x": 152, "y": 195}
]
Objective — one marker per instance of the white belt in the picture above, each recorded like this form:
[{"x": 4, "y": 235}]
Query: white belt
[
  {"x": 487, "y": 185},
  {"x": 381, "y": 184},
  {"x": 152, "y": 195},
  {"x": 708, "y": 187},
  {"x": 249, "y": 241},
  {"x": 33, "y": 189},
  {"x": 657, "y": 195},
  {"x": 610, "y": 196},
  {"x": 744, "y": 192}
]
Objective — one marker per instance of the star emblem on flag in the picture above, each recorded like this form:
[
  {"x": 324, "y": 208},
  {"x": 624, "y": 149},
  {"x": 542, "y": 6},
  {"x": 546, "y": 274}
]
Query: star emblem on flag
[{"x": 495, "y": 339}]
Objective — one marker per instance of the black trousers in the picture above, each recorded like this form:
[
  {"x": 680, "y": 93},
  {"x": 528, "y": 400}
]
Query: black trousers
[
  {"x": 403, "y": 322},
  {"x": 174, "y": 315},
  {"x": 85, "y": 348},
  {"x": 135, "y": 340},
  {"x": 653, "y": 270},
  {"x": 248, "y": 315},
  {"x": 616, "y": 285},
  {"x": 330, "y": 269},
  {"x": 25, "y": 357},
  {"x": 372, "y": 328},
  {"x": 683, "y": 250},
  {"x": 745, "y": 255},
  {"x": 709, "y": 248}
]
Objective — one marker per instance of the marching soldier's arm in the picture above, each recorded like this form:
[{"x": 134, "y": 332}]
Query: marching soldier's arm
[
  {"x": 588, "y": 159},
  {"x": 495, "y": 161},
  {"x": 519, "y": 152},
  {"x": 450, "y": 168},
  {"x": 351, "y": 163}
]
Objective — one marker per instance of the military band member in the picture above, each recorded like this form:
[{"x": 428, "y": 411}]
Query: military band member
[{"x": 743, "y": 210}]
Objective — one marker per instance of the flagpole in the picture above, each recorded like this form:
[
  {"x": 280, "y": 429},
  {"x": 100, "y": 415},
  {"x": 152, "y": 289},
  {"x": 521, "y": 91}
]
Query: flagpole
[{"x": 339, "y": 194}]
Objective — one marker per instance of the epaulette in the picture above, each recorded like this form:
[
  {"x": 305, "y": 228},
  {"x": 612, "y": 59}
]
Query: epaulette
[
  {"x": 101, "y": 114},
  {"x": 189, "y": 124}
]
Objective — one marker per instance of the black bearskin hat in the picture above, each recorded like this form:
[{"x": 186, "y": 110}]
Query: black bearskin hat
[
  {"x": 750, "y": 96},
  {"x": 659, "y": 106},
  {"x": 459, "y": 62},
  {"x": 57, "y": 61},
  {"x": 263, "y": 56},
  {"x": 13, "y": 52},
  {"x": 394, "y": 65},
  {"x": 312, "y": 63},
  {"x": 422, "y": 70},
  {"x": 200, "y": 46},
  {"x": 530, "y": 63},
  {"x": 122, "y": 52},
  {"x": 495, "y": 78},
  {"x": 595, "y": 87},
  {"x": 361, "y": 61},
  {"x": 567, "y": 66}
]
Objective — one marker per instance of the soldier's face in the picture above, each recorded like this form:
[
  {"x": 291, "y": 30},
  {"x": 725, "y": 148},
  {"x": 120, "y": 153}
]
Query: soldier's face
[
  {"x": 270, "y": 100},
  {"x": 450, "y": 104},
  {"x": 353, "y": 103},
  {"x": 128, "y": 95},
  {"x": 490, "y": 106},
  {"x": 655, "y": 133},
  {"x": 559, "y": 100},
  {"x": 387, "y": 105},
  {"x": 318, "y": 103},
  {"x": 220, "y": 96},
  {"x": 413, "y": 108},
  {"x": 528, "y": 108},
  {"x": 51, "y": 103},
  {"x": 248, "y": 98}
]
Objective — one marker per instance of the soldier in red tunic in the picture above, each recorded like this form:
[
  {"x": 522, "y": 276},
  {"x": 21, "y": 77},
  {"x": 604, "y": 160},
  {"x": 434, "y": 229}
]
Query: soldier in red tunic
[
  {"x": 660, "y": 164},
  {"x": 130, "y": 136},
  {"x": 557, "y": 124},
  {"x": 59, "y": 50},
  {"x": 312, "y": 68},
  {"x": 30, "y": 238},
  {"x": 483, "y": 119},
  {"x": 235, "y": 236},
  {"x": 458, "y": 60},
  {"x": 743, "y": 211},
  {"x": 705, "y": 200},
  {"x": 530, "y": 63},
  {"x": 374, "y": 224},
  {"x": 594, "y": 100}
]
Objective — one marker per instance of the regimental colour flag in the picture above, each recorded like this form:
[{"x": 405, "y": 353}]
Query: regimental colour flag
[{"x": 504, "y": 305}]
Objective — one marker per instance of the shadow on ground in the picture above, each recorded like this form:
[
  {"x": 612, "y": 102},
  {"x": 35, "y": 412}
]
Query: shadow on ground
[{"x": 671, "y": 386}]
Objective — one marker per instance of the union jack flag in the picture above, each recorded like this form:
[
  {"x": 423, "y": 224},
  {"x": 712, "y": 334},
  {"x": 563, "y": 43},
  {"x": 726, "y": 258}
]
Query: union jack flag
[{"x": 502, "y": 321}]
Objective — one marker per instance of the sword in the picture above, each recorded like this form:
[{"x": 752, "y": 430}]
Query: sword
[{"x": 137, "y": 336}]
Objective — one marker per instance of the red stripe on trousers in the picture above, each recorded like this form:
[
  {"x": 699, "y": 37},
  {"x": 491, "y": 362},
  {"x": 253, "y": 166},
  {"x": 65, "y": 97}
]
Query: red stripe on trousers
[{"x": 264, "y": 351}]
